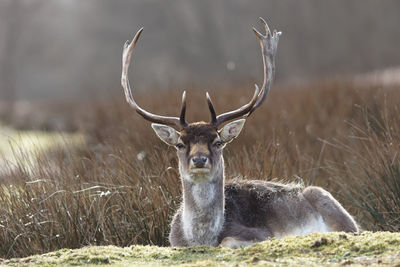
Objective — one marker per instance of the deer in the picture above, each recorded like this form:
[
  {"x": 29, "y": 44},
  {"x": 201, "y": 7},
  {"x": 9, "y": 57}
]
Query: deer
[{"x": 238, "y": 212}]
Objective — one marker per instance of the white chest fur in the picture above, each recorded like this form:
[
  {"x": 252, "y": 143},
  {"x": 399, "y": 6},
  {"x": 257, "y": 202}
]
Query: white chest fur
[
  {"x": 203, "y": 195},
  {"x": 203, "y": 222}
]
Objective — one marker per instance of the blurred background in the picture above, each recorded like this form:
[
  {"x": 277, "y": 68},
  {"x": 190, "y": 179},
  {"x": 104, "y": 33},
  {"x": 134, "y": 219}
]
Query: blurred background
[{"x": 68, "y": 50}]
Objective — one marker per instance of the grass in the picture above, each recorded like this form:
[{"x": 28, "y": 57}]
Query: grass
[
  {"x": 121, "y": 186},
  {"x": 16, "y": 145},
  {"x": 379, "y": 248}
]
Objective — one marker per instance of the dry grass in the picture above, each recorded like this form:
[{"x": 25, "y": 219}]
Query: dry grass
[{"x": 123, "y": 186}]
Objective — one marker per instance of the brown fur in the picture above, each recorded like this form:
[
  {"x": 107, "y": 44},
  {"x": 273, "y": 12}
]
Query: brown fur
[{"x": 198, "y": 132}]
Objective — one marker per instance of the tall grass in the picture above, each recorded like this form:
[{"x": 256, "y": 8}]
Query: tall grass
[
  {"x": 369, "y": 177},
  {"x": 122, "y": 186}
]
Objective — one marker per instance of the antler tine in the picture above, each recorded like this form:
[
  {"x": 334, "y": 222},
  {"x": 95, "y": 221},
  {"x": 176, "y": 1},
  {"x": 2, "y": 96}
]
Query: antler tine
[
  {"x": 242, "y": 111},
  {"x": 269, "y": 44},
  {"x": 126, "y": 59},
  {"x": 182, "y": 119},
  {"x": 212, "y": 110}
]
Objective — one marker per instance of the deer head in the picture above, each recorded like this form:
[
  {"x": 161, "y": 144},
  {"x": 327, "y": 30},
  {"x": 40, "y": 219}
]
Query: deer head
[{"x": 199, "y": 145}]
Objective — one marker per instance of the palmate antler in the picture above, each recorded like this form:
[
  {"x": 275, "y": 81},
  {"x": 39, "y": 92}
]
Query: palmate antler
[{"x": 268, "y": 43}]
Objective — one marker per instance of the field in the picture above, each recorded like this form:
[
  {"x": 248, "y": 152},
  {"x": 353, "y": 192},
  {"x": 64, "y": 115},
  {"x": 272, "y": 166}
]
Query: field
[{"x": 121, "y": 186}]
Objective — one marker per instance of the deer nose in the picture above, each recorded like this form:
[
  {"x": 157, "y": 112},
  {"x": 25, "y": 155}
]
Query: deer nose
[{"x": 199, "y": 162}]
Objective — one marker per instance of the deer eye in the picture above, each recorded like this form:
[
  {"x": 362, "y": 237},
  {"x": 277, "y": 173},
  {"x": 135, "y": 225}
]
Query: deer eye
[
  {"x": 180, "y": 146},
  {"x": 218, "y": 144}
]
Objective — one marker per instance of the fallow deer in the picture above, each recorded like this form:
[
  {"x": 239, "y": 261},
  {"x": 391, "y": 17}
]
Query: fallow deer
[{"x": 239, "y": 212}]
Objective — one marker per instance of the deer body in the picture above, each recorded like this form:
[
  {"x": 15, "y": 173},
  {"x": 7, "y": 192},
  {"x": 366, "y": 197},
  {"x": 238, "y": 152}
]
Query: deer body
[
  {"x": 249, "y": 211},
  {"x": 239, "y": 212}
]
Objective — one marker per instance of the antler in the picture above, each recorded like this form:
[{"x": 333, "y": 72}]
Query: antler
[
  {"x": 126, "y": 59},
  {"x": 269, "y": 44}
]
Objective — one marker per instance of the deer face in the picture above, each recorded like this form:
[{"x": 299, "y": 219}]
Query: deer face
[{"x": 199, "y": 147}]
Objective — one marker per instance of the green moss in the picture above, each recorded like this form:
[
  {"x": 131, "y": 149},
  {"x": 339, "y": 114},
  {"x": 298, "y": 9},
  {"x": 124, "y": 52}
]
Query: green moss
[{"x": 312, "y": 250}]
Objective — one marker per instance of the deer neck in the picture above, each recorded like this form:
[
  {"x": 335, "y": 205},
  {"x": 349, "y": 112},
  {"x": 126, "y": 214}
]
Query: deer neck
[{"x": 203, "y": 209}]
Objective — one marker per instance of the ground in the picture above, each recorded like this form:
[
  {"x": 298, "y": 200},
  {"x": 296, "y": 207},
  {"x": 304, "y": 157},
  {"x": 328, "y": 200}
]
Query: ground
[{"x": 380, "y": 248}]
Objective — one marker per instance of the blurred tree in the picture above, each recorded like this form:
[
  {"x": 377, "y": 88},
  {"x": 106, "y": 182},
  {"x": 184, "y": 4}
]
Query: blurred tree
[
  {"x": 71, "y": 49},
  {"x": 8, "y": 66},
  {"x": 16, "y": 14}
]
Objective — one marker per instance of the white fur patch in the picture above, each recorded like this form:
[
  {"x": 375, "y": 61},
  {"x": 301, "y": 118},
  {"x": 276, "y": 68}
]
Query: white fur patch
[
  {"x": 198, "y": 231},
  {"x": 202, "y": 225},
  {"x": 314, "y": 225},
  {"x": 203, "y": 194},
  {"x": 231, "y": 242},
  {"x": 187, "y": 219}
]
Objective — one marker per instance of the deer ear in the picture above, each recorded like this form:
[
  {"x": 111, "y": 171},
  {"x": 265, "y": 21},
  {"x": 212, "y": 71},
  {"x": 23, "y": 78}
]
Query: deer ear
[
  {"x": 231, "y": 130},
  {"x": 167, "y": 134}
]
